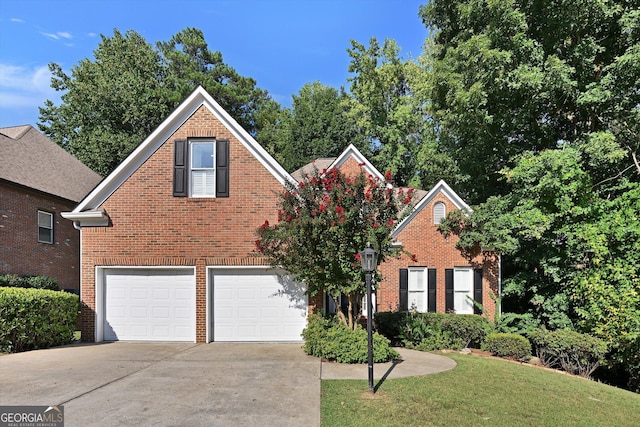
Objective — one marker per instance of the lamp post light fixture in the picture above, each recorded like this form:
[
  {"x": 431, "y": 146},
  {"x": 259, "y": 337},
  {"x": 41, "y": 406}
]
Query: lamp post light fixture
[{"x": 369, "y": 260}]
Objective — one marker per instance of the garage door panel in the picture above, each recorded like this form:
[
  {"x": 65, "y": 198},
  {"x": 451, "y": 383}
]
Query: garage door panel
[
  {"x": 144, "y": 305},
  {"x": 250, "y": 306}
]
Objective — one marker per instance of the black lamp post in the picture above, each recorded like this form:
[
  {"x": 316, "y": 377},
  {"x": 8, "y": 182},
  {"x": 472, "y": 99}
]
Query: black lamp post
[{"x": 369, "y": 260}]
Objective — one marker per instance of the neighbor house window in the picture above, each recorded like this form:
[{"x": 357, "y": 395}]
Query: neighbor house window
[
  {"x": 45, "y": 227},
  {"x": 439, "y": 212},
  {"x": 202, "y": 169}
]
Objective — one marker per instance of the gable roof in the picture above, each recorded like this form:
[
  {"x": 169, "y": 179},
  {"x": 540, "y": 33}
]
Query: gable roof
[
  {"x": 32, "y": 160},
  {"x": 336, "y": 162},
  {"x": 352, "y": 151},
  {"x": 440, "y": 188},
  {"x": 199, "y": 97}
]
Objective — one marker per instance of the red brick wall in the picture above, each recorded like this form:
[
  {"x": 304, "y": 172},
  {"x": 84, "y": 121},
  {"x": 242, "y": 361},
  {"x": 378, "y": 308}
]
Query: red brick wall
[
  {"x": 151, "y": 227},
  {"x": 421, "y": 238},
  {"x": 20, "y": 251}
]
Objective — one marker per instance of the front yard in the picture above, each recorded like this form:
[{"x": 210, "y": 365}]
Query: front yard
[{"x": 480, "y": 392}]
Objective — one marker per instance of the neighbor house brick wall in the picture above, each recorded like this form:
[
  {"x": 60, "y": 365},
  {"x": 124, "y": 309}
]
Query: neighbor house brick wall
[
  {"x": 149, "y": 226},
  {"x": 20, "y": 251}
]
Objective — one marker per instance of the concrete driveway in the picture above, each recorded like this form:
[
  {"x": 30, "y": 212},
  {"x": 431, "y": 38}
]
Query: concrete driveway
[{"x": 162, "y": 384}]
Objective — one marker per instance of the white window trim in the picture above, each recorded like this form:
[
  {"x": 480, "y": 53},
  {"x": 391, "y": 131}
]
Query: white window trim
[
  {"x": 192, "y": 169},
  {"x": 412, "y": 289},
  {"x": 50, "y": 227},
  {"x": 467, "y": 304},
  {"x": 437, "y": 218}
]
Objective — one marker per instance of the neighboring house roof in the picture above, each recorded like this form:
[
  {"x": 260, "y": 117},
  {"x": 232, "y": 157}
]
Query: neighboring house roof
[
  {"x": 309, "y": 168},
  {"x": 32, "y": 160},
  {"x": 336, "y": 162},
  {"x": 85, "y": 211}
]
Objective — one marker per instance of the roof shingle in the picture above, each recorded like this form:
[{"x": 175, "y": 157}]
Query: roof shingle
[{"x": 31, "y": 159}]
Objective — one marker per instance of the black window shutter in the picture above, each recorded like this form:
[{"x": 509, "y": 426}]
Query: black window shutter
[
  {"x": 431, "y": 290},
  {"x": 404, "y": 289},
  {"x": 477, "y": 289},
  {"x": 222, "y": 168},
  {"x": 448, "y": 289},
  {"x": 180, "y": 169}
]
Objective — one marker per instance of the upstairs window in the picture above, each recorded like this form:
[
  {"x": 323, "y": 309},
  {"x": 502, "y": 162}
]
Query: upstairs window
[
  {"x": 439, "y": 212},
  {"x": 201, "y": 168},
  {"x": 45, "y": 227},
  {"x": 203, "y": 171}
]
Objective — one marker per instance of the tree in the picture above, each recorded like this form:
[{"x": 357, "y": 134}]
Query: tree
[
  {"x": 318, "y": 125},
  {"x": 323, "y": 224},
  {"x": 386, "y": 110},
  {"x": 190, "y": 63},
  {"x": 539, "y": 104},
  {"x": 110, "y": 104},
  {"x": 513, "y": 76}
]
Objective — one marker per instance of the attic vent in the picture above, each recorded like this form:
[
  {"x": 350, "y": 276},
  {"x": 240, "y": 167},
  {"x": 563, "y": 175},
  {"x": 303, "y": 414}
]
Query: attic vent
[{"x": 439, "y": 212}]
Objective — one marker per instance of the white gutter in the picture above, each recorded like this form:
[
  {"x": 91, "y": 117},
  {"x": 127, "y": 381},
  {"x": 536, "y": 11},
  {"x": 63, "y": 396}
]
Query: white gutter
[{"x": 97, "y": 218}]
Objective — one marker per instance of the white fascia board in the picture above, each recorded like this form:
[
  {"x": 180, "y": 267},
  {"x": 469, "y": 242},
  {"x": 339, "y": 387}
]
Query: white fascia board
[
  {"x": 440, "y": 187},
  {"x": 163, "y": 132}
]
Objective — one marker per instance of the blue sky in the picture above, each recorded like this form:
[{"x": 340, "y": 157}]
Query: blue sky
[{"x": 282, "y": 44}]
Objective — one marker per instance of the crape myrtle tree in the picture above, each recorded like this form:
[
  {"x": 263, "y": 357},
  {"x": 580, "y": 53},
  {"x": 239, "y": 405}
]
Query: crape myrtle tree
[{"x": 323, "y": 224}]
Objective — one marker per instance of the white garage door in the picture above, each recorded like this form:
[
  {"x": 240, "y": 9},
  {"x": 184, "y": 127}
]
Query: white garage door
[
  {"x": 257, "y": 306},
  {"x": 149, "y": 305}
]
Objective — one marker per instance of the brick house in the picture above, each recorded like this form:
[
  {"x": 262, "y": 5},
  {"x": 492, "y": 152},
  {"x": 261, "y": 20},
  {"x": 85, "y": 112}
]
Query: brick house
[
  {"x": 442, "y": 278},
  {"x": 38, "y": 181},
  {"x": 168, "y": 238}
]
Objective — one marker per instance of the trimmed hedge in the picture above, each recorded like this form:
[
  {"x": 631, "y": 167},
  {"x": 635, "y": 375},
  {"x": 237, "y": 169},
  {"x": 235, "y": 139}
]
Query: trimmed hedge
[
  {"x": 324, "y": 337},
  {"x": 512, "y": 346},
  {"x": 36, "y": 318},
  {"x": 35, "y": 282},
  {"x": 571, "y": 351},
  {"x": 432, "y": 331}
]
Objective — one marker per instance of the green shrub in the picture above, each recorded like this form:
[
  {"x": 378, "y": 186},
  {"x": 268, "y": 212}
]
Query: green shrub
[
  {"x": 440, "y": 340},
  {"x": 508, "y": 345},
  {"x": 420, "y": 326},
  {"x": 468, "y": 328},
  {"x": 36, "y": 318},
  {"x": 35, "y": 282},
  {"x": 324, "y": 337},
  {"x": 391, "y": 324},
  {"x": 571, "y": 351},
  {"x": 432, "y": 331}
]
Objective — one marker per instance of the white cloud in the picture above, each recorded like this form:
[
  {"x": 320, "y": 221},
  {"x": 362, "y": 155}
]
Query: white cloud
[
  {"x": 57, "y": 36},
  {"x": 50, "y": 35},
  {"x": 24, "y": 87},
  {"x": 17, "y": 20}
]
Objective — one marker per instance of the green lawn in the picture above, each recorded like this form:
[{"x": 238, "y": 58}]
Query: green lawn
[{"x": 480, "y": 392}]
